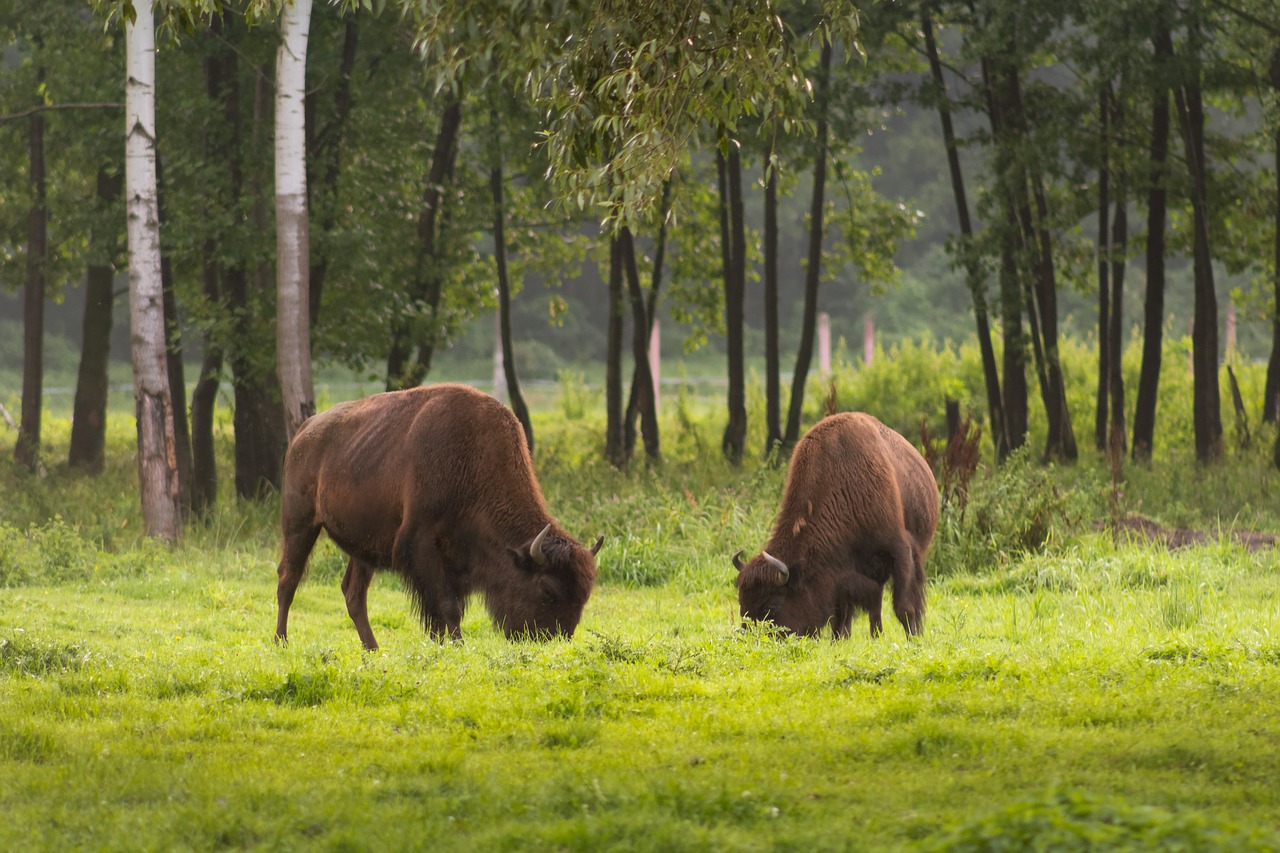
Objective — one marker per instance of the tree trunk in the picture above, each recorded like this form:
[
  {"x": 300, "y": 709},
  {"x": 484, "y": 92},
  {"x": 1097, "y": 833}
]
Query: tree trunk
[
  {"x": 1204, "y": 334},
  {"x": 514, "y": 397},
  {"x": 173, "y": 357},
  {"x": 1144, "y": 413},
  {"x": 293, "y": 257},
  {"x": 973, "y": 269},
  {"x": 324, "y": 157},
  {"x": 221, "y": 147},
  {"x": 651, "y": 310},
  {"x": 1101, "y": 414},
  {"x": 89, "y": 416},
  {"x": 735, "y": 431},
  {"x": 157, "y": 466},
  {"x": 26, "y": 450},
  {"x": 645, "y": 401},
  {"x": 615, "y": 449},
  {"x": 813, "y": 267},
  {"x": 772, "y": 358},
  {"x": 1271, "y": 393},
  {"x": 1119, "y": 243},
  {"x": 259, "y": 416},
  {"x": 428, "y": 281}
]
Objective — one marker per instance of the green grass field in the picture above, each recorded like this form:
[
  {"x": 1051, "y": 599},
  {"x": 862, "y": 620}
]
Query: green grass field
[{"x": 1071, "y": 690}]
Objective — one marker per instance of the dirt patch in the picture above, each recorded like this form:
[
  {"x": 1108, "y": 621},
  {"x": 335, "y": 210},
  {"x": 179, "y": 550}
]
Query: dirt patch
[{"x": 1174, "y": 538}]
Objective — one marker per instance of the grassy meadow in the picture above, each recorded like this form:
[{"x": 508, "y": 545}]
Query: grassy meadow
[{"x": 1075, "y": 687}]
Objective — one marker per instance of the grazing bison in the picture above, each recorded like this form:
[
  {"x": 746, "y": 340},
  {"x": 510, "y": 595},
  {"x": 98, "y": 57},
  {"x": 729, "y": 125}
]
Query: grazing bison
[
  {"x": 860, "y": 507},
  {"x": 436, "y": 484}
]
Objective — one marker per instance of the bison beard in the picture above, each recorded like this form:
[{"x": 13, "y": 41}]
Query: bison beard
[
  {"x": 436, "y": 484},
  {"x": 860, "y": 509}
]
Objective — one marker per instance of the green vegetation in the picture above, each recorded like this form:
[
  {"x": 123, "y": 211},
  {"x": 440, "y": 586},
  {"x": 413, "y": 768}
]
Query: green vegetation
[{"x": 1073, "y": 689}]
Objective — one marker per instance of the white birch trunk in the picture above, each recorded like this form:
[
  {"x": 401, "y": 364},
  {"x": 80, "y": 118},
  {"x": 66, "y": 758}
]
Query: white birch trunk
[
  {"x": 157, "y": 458},
  {"x": 293, "y": 323}
]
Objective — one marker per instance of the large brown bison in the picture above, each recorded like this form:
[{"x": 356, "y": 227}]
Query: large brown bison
[
  {"x": 860, "y": 507},
  {"x": 436, "y": 484}
]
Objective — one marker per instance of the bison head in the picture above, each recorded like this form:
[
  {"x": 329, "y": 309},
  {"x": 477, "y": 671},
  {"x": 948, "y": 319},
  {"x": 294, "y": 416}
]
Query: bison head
[
  {"x": 555, "y": 575},
  {"x": 770, "y": 591}
]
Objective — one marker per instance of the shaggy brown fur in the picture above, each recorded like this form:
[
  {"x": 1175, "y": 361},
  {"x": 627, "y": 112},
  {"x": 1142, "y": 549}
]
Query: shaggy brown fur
[
  {"x": 860, "y": 508},
  {"x": 436, "y": 484}
]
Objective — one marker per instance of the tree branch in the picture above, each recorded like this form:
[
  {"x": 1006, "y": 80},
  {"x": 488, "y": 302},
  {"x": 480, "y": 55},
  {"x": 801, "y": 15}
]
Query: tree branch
[{"x": 47, "y": 107}]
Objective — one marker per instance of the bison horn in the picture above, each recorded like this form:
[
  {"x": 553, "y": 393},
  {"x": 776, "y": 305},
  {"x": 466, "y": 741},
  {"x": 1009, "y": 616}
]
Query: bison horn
[
  {"x": 737, "y": 561},
  {"x": 595, "y": 549},
  {"x": 535, "y": 548},
  {"x": 783, "y": 572}
]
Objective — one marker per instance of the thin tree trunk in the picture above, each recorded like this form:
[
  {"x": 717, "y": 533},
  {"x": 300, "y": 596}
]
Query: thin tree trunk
[
  {"x": 614, "y": 443},
  {"x": 324, "y": 155},
  {"x": 1011, "y": 294},
  {"x": 293, "y": 255},
  {"x": 221, "y": 147},
  {"x": 1115, "y": 332},
  {"x": 1204, "y": 335},
  {"x": 514, "y": 396},
  {"x": 26, "y": 450},
  {"x": 772, "y": 358},
  {"x": 259, "y": 416},
  {"x": 735, "y": 431},
  {"x": 640, "y": 350},
  {"x": 651, "y": 309},
  {"x": 1101, "y": 414},
  {"x": 1144, "y": 413},
  {"x": 428, "y": 281},
  {"x": 973, "y": 270},
  {"x": 813, "y": 267},
  {"x": 157, "y": 466},
  {"x": 89, "y": 416},
  {"x": 173, "y": 357},
  {"x": 1271, "y": 393}
]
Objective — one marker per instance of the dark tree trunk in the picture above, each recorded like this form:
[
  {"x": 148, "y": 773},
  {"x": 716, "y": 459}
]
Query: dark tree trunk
[
  {"x": 1101, "y": 415},
  {"x": 514, "y": 395},
  {"x": 1271, "y": 394},
  {"x": 735, "y": 431},
  {"x": 1144, "y": 413},
  {"x": 1119, "y": 244},
  {"x": 643, "y": 382},
  {"x": 26, "y": 450},
  {"x": 1204, "y": 334},
  {"x": 615, "y": 449},
  {"x": 173, "y": 359},
  {"x": 89, "y": 417},
  {"x": 426, "y": 288},
  {"x": 651, "y": 308},
  {"x": 973, "y": 270},
  {"x": 324, "y": 158},
  {"x": 221, "y": 146},
  {"x": 804, "y": 353},
  {"x": 1011, "y": 291},
  {"x": 259, "y": 414},
  {"x": 772, "y": 359}
]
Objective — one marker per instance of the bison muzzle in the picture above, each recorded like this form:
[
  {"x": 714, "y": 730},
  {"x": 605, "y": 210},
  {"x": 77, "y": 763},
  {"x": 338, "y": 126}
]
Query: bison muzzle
[
  {"x": 859, "y": 509},
  {"x": 436, "y": 484}
]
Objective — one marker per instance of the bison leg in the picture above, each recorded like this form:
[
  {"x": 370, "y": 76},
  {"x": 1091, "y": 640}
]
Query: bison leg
[
  {"x": 355, "y": 588},
  {"x": 908, "y": 588},
  {"x": 418, "y": 560},
  {"x": 862, "y": 593},
  {"x": 298, "y": 542}
]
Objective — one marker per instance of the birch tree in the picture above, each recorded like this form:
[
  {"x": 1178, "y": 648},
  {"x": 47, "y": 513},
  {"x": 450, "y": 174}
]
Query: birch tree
[
  {"x": 293, "y": 328},
  {"x": 157, "y": 460}
]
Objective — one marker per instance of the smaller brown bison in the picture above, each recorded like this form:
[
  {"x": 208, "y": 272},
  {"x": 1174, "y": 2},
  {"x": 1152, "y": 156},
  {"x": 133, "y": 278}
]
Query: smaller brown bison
[
  {"x": 436, "y": 484},
  {"x": 860, "y": 507}
]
